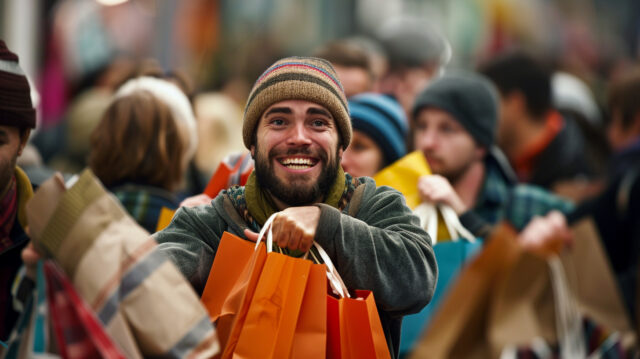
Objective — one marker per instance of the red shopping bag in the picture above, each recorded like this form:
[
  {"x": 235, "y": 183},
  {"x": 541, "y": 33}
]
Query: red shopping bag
[
  {"x": 79, "y": 334},
  {"x": 354, "y": 329}
]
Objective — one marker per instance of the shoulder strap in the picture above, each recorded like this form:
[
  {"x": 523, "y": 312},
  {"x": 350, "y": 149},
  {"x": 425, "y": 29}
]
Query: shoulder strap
[{"x": 356, "y": 200}]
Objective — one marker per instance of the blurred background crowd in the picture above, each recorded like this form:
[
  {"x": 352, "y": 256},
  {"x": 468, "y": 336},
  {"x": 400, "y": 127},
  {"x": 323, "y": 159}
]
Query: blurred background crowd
[
  {"x": 76, "y": 53},
  {"x": 150, "y": 94}
]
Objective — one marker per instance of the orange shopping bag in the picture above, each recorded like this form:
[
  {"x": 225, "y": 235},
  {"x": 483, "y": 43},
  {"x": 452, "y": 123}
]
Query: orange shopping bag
[
  {"x": 262, "y": 303},
  {"x": 354, "y": 329},
  {"x": 233, "y": 170},
  {"x": 310, "y": 338},
  {"x": 232, "y": 256}
]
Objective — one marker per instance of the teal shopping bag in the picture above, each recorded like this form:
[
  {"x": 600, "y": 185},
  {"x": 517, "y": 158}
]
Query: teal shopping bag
[
  {"x": 29, "y": 338},
  {"x": 451, "y": 257}
]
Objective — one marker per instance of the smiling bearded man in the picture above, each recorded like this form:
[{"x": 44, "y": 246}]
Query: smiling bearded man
[
  {"x": 297, "y": 126},
  {"x": 293, "y": 190}
]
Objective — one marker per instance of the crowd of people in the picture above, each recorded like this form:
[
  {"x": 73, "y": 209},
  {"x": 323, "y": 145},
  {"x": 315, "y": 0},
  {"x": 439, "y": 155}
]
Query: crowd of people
[{"x": 505, "y": 142}]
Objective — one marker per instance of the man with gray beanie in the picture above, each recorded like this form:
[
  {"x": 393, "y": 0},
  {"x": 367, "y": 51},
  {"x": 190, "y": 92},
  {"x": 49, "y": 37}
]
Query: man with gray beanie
[
  {"x": 455, "y": 121},
  {"x": 297, "y": 126},
  {"x": 17, "y": 118}
]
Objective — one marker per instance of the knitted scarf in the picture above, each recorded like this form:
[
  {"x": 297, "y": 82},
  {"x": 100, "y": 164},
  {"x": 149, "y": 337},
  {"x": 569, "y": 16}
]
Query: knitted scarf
[
  {"x": 8, "y": 212},
  {"x": 255, "y": 206}
]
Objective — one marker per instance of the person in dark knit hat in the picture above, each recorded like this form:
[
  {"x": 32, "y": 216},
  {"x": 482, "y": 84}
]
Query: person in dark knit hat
[
  {"x": 380, "y": 129},
  {"x": 455, "y": 120},
  {"x": 297, "y": 125},
  {"x": 17, "y": 118}
]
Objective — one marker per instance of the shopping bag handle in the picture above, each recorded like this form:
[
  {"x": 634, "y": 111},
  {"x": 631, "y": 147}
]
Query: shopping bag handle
[
  {"x": 336, "y": 282},
  {"x": 428, "y": 214},
  {"x": 568, "y": 321},
  {"x": 266, "y": 229}
]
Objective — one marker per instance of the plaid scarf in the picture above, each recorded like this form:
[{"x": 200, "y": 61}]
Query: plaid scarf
[{"x": 8, "y": 212}]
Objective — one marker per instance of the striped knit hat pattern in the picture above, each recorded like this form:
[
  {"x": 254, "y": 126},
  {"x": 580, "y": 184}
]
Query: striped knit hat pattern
[
  {"x": 16, "y": 108},
  {"x": 297, "y": 78},
  {"x": 382, "y": 119}
]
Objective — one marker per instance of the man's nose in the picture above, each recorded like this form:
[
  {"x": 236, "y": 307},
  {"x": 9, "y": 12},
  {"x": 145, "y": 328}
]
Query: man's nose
[
  {"x": 427, "y": 140},
  {"x": 299, "y": 135}
]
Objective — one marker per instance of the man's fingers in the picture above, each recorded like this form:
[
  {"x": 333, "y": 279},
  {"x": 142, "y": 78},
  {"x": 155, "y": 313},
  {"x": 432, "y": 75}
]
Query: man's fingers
[
  {"x": 251, "y": 235},
  {"x": 305, "y": 245},
  {"x": 295, "y": 240}
]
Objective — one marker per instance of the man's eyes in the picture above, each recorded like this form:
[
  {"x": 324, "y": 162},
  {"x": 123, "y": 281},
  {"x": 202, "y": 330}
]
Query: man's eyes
[
  {"x": 448, "y": 129},
  {"x": 319, "y": 123},
  {"x": 277, "y": 122}
]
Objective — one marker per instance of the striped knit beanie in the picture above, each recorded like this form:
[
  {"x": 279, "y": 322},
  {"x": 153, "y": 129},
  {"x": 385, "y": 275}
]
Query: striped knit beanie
[
  {"x": 297, "y": 78},
  {"x": 16, "y": 108},
  {"x": 382, "y": 119}
]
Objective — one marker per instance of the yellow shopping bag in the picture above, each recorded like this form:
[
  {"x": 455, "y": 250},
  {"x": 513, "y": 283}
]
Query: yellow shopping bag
[{"x": 403, "y": 175}]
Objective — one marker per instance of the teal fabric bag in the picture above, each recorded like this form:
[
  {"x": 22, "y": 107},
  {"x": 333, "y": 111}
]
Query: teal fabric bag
[
  {"x": 29, "y": 338},
  {"x": 451, "y": 257}
]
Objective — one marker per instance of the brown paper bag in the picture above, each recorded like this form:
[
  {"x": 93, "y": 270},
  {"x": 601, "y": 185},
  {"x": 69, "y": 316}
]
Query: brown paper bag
[
  {"x": 145, "y": 304},
  {"x": 523, "y": 304},
  {"x": 593, "y": 283},
  {"x": 458, "y": 328},
  {"x": 504, "y": 298}
]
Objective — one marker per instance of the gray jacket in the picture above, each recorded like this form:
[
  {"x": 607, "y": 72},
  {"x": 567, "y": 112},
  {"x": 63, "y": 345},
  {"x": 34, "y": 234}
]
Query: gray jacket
[{"x": 376, "y": 243}]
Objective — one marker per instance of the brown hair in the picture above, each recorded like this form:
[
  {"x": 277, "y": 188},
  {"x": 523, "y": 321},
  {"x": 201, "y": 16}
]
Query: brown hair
[
  {"x": 623, "y": 97},
  {"x": 345, "y": 53},
  {"x": 137, "y": 140}
]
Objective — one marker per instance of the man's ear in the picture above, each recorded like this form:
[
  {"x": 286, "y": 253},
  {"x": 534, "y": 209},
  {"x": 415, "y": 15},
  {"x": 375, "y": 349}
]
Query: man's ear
[
  {"x": 340, "y": 152},
  {"x": 23, "y": 140},
  {"x": 253, "y": 151},
  {"x": 516, "y": 100}
]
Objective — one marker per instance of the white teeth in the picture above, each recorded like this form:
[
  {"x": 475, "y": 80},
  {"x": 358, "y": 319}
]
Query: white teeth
[{"x": 297, "y": 161}]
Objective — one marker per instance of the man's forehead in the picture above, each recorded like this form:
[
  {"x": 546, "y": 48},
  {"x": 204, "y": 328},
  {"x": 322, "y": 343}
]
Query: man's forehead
[{"x": 436, "y": 113}]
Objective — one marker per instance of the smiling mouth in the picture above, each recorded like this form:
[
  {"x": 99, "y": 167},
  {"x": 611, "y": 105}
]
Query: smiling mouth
[{"x": 298, "y": 163}]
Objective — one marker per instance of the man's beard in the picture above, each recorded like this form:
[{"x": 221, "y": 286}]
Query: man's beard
[
  {"x": 453, "y": 175},
  {"x": 295, "y": 193}
]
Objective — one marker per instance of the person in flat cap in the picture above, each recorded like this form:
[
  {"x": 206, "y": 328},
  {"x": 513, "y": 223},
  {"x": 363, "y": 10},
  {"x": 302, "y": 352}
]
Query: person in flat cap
[
  {"x": 297, "y": 126},
  {"x": 17, "y": 119},
  {"x": 455, "y": 121},
  {"x": 417, "y": 53}
]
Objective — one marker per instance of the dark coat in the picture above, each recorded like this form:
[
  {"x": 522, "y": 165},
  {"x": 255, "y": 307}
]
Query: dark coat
[{"x": 616, "y": 212}]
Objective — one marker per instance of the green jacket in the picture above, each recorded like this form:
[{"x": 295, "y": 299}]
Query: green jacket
[{"x": 376, "y": 243}]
